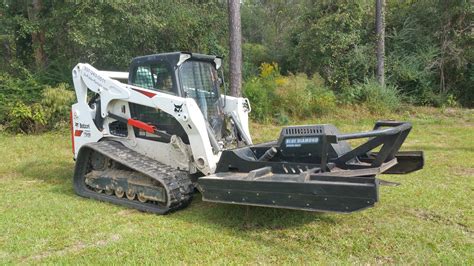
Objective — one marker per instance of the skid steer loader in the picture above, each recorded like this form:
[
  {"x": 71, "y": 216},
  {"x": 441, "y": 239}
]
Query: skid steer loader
[{"x": 150, "y": 142}]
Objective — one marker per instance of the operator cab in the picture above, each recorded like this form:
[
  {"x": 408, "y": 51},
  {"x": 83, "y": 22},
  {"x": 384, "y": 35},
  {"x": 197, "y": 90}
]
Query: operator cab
[{"x": 183, "y": 74}]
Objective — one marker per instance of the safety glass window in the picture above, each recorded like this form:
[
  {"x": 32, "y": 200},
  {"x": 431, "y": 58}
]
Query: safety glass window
[{"x": 154, "y": 77}]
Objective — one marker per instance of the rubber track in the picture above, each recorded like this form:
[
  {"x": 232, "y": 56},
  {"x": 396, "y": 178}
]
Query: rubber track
[{"x": 178, "y": 186}]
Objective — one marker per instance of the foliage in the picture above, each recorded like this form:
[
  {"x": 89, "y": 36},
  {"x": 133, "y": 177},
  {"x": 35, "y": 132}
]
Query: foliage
[
  {"x": 51, "y": 111},
  {"x": 253, "y": 56},
  {"x": 269, "y": 24},
  {"x": 428, "y": 44},
  {"x": 26, "y": 118},
  {"x": 429, "y": 51},
  {"x": 261, "y": 92},
  {"x": 378, "y": 99},
  {"x": 302, "y": 97},
  {"x": 281, "y": 97},
  {"x": 108, "y": 34},
  {"x": 14, "y": 89},
  {"x": 323, "y": 101},
  {"x": 258, "y": 95},
  {"x": 57, "y": 104},
  {"x": 328, "y": 37}
]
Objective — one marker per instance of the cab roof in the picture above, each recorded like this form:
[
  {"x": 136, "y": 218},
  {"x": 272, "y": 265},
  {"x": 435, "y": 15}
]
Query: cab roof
[{"x": 173, "y": 58}]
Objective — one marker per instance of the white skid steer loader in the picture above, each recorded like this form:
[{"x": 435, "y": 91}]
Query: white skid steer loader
[{"x": 150, "y": 143}]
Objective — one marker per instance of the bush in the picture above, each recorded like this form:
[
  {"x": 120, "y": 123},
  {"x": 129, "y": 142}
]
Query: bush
[
  {"x": 259, "y": 96},
  {"x": 277, "y": 97},
  {"x": 49, "y": 113},
  {"x": 26, "y": 118},
  {"x": 57, "y": 103},
  {"x": 12, "y": 90},
  {"x": 323, "y": 101},
  {"x": 302, "y": 97},
  {"x": 261, "y": 92},
  {"x": 412, "y": 76},
  {"x": 254, "y": 55},
  {"x": 294, "y": 96},
  {"x": 378, "y": 99}
]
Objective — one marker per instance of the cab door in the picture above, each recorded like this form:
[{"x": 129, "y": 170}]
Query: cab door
[{"x": 158, "y": 76}]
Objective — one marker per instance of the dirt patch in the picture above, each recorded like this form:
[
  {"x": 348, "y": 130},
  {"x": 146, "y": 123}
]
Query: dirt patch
[
  {"x": 382, "y": 260},
  {"x": 7, "y": 177},
  {"x": 434, "y": 217},
  {"x": 75, "y": 248},
  {"x": 4, "y": 255},
  {"x": 127, "y": 212},
  {"x": 467, "y": 171}
]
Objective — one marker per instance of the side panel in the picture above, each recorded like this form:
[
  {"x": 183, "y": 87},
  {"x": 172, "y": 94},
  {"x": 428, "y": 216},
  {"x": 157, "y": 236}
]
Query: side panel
[
  {"x": 83, "y": 129},
  {"x": 240, "y": 107}
]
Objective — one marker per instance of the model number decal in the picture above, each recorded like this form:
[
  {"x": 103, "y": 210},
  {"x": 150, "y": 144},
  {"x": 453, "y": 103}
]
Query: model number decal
[
  {"x": 82, "y": 130},
  {"x": 296, "y": 142},
  {"x": 82, "y": 126}
]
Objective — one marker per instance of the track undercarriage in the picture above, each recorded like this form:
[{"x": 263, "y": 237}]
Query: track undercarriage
[{"x": 108, "y": 171}]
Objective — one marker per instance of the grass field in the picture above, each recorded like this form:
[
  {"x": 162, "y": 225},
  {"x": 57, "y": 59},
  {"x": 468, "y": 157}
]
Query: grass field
[{"x": 429, "y": 219}]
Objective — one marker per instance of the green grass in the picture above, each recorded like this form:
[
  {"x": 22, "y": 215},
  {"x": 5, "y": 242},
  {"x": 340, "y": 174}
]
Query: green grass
[{"x": 428, "y": 219}]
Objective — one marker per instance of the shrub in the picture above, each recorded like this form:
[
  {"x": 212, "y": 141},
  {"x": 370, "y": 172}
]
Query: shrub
[
  {"x": 294, "y": 95},
  {"x": 26, "y": 118},
  {"x": 49, "y": 113},
  {"x": 259, "y": 97},
  {"x": 56, "y": 103},
  {"x": 377, "y": 99},
  {"x": 12, "y": 90},
  {"x": 279, "y": 97},
  {"x": 254, "y": 55},
  {"x": 302, "y": 97},
  {"x": 269, "y": 71},
  {"x": 261, "y": 92},
  {"x": 323, "y": 101}
]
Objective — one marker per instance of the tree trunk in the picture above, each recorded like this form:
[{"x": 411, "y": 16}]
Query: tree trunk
[
  {"x": 235, "y": 43},
  {"x": 6, "y": 50},
  {"x": 37, "y": 37},
  {"x": 380, "y": 31}
]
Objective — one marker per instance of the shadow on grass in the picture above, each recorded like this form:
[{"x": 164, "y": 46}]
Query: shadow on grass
[
  {"x": 269, "y": 227},
  {"x": 54, "y": 173},
  {"x": 248, "y": 218},
  {"x": 234, "y": 217}
]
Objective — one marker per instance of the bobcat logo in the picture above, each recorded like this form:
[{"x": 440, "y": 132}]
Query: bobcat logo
[{"x": 178, "y": 108}]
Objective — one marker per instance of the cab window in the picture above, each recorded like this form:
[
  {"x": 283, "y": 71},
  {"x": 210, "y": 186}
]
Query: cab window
[{"x": 156, "y": 76}]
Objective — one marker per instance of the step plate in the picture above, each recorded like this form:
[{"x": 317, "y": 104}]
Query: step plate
[{"x": 289, "y": 191}]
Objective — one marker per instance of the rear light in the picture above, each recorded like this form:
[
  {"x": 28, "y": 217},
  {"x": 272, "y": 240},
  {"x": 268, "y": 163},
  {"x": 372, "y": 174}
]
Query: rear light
[{"x": 72, "y": 131}]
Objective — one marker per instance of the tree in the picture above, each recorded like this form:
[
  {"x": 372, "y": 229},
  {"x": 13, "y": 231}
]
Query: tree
[
  {"x": 235, "y": 44},
  {"x": 37, "y": 36},
  {"x": 380, "y": 31},
  {"x": 331, "y": 39}
]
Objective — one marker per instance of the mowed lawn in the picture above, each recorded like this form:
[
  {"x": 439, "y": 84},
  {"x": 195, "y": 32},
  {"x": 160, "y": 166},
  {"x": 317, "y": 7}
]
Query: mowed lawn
[{"x": 428, "y": 219}]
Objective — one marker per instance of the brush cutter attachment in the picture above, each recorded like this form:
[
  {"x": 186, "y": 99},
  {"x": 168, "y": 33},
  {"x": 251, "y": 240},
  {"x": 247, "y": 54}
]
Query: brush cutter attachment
[{"x": 312, "y": 168}]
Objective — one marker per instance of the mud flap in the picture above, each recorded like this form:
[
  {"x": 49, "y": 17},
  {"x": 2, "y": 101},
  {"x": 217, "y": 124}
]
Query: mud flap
[{"x": 298, "y": 191}]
